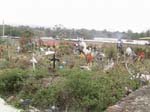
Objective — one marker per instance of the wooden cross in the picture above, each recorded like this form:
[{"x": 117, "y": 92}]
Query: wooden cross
[{"x": 54, "y": 59}]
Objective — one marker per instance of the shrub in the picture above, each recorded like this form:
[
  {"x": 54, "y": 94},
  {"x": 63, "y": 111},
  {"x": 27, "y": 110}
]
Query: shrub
[
  {"x": 29, "y": 89},
  {"x": 65, "y": 48},
  {"x": 44, "y": 98},
  {"x": 41, "y": 73},
  {"x": 111, "y": 53},
  {"x": 80, "y": 91},
  {"x": 85, "y": 91},
  {"x": 89, "y": 92},
  {"x": 11, "y": 81},
  {"x": 147, "y": 51},
  {"x": 4, "y": 64}
]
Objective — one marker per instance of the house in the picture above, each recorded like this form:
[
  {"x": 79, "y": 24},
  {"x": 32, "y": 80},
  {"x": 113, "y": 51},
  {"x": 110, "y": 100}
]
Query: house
[
  {"x": 146, "y": 39},
  {"x": 47, "y": 41}
]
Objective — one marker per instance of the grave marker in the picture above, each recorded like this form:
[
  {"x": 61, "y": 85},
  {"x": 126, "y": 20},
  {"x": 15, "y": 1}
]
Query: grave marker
[
  {"x": 54, "y": 59},
  {"x": 33, "y": 61}
]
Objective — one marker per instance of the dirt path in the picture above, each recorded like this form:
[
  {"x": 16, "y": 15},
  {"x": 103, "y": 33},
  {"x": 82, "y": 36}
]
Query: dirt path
[{"x": 138, "y": 101}]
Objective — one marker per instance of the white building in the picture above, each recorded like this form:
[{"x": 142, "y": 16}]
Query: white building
[{"x": 126, "y": 41}]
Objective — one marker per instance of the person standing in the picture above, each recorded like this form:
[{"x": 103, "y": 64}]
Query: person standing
[{"x": 120, "y": 46}]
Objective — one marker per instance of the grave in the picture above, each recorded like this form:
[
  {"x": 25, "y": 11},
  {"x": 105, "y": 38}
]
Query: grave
[
  {"x": 33, "y": 61},
  {"x": 53, "y": 60}
]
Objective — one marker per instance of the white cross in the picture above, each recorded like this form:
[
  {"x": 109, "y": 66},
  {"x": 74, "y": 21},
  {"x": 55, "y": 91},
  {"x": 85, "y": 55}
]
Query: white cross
[
  {"x": 33, "y": 61},
  {"x": 49, "y": 52},
  {"x": 41, "y": 49}
]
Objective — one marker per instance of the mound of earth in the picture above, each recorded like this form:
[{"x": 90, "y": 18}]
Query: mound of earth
[{"x": 137, "y": 101}]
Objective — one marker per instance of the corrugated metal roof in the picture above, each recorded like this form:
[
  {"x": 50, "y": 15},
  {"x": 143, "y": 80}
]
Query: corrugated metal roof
[{"x": 50, "y": 43}]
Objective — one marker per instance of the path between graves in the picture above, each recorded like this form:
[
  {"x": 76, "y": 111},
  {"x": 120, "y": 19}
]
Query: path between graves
[{"x": 138, "y": 101}]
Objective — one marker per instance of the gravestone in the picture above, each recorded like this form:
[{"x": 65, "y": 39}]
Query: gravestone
[{"x": 33, "y": 61}]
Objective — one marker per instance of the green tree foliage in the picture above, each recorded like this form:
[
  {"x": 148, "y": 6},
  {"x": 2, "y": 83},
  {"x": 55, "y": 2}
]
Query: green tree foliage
[
  {"x": 2, "y": 41},
  {"x": 59, "y": 31}
]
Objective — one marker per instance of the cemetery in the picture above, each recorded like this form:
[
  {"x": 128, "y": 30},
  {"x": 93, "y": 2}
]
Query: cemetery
[{"x": 70, "y": 76}]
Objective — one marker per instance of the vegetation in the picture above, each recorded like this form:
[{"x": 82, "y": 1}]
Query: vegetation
[
  {"x": 11, "y": 81},
  {"x": 67, "y": 88},
  {"x": 78, "y": 90},
  {"x": 26, "y": 41},
  {"x": 59, "y": 31}
]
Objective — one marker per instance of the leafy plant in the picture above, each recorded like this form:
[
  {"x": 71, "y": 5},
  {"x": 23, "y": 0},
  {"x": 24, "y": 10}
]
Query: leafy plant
[{"x": 11, "y": 81}]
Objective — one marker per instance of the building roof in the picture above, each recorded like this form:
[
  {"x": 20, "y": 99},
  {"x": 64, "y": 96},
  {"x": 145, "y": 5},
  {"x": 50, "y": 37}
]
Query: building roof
[
  {"x": 145, "y": 38},
  {"x": 50, "y": 42},
  {"x": 46, "y": 38}
]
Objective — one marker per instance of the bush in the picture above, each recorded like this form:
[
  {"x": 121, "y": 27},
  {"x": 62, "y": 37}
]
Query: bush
[
  {"x": 33, "y": 83},
  {"x": 29, "y": 89},
  {"x": 44, "y": 98},
  {"x": 80, "y": 91},
  {"x": 11, "y": 81},
  {"x": 85, "y": 91},
  {"x": 146, "y": 50},
  {"x": 111, "y": 53},
  {"x": 41, "y": 73},
  {"x": 4, "y": 64},
  {"x": 65, "y": 49},
  {"x": 93, "y": 94}
]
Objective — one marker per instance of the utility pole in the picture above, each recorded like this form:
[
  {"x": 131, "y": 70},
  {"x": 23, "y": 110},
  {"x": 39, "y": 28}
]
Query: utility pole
[{"x": 3, "y": 29}]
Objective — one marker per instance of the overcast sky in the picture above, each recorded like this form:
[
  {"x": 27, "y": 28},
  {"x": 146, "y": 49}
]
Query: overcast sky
[{"x": 112, "y": 15}]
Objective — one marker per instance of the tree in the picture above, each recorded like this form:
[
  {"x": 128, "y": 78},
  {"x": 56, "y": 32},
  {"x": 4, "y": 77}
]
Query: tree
[
  {"x": 147, "y": 33},
  {"x": 26, "y": 41}
]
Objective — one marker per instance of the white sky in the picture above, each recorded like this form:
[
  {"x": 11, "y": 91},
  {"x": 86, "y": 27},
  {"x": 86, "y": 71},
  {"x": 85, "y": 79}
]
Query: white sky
[{"x": 112, "y": 15}]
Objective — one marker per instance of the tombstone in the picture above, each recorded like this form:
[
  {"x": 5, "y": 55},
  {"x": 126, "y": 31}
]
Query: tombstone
[
  {"x": 41, "y": 49},
  {"x": 129, "y": 51},
  {"x": 25, "y": 103},
  {"x": 33, "y": 61},
  {"x": 18, "y": 49},
  {"x": 49, "y": 52},
  {"x": 110, "y": 65},
  {"x": 85, "y": 68}
]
